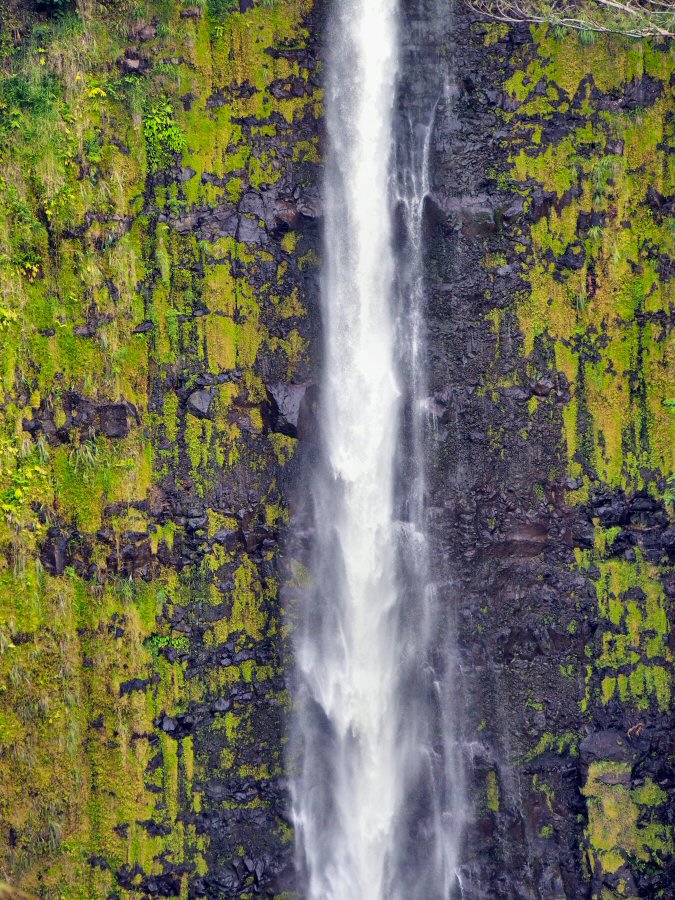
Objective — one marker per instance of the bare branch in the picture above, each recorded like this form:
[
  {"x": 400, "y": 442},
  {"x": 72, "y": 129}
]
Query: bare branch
[{"x": 633, "y": 18}]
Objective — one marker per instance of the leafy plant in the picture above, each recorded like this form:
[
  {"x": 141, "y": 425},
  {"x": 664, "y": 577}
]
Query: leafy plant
[
  {"x": 164, "y": 140},
  {"x": 42, "y": 448},
  {"x": 37, "y": 93},
  {"x": 157, "y": 642},
  {"x": 92, "y": 146},
  {"x": 670, "y": 489},
  {"x": 175, "y": 206},
  {"x": 603, "y": 172},
  {"x": 11, "y": 119},
  {"x": 27, "y": 263},
  {"x": 581, "y": 301},
  {"x": 7, "y": 316},
  {"x": 14, "y": 494},
  {"x": 125, "y": 589},
  {"x": 216, "y": 10}
]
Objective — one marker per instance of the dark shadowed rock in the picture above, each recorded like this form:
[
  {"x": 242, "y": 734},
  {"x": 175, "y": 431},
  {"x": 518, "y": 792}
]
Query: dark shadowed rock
[
  {"x": 522, "y": 540},
  {"x": 186, "y": 173},
  {"x": 249, "y": 232},
  {"x": 54, "y": 553},
  {"x": 286, "y": 401},
  {"x": 133, "y": 684},
  {"x": 229, "y": 538},
  {"x": 573, "y": 258},
  {"x": 113, "y": 420},
  {"x": 604, "y": 745}
]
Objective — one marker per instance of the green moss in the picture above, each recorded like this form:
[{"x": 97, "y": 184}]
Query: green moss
[
  {"x": 616, "y": 828},
  {"x": 492, "y": 789},
  {"x": 561, "y": 307},
  {"x": 563, "y": 744},
  {"x": 80, "y": 246},
  {"x": 632, "y": 601},
  {"x": 246, "y": 613},
  {"x": 543, "y": 788},
  {"x": 284, "y": 447}
]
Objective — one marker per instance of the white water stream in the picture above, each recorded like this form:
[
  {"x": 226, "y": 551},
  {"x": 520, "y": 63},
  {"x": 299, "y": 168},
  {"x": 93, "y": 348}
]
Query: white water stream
[{"x": 369, "y": 805}]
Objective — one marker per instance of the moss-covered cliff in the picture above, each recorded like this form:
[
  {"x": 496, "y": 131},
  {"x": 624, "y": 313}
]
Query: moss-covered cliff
[
  {"x": 156, "y": 160},
  {"x": 158, "y": 261},
  {"x": 552, "y": 358}
]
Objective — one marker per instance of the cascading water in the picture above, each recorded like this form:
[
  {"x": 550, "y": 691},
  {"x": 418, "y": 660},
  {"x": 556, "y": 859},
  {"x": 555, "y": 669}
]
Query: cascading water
[
  {"x": 347, "y": 795},
  {"x": 429, "y": 756},
  {"x": 372, "y": 796}
]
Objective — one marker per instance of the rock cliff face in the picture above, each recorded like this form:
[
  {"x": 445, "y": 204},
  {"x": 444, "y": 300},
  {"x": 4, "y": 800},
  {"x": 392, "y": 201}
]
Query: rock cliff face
[
  {"x": 159, "y": 232},
  {"x": 159, "y": 245},
  {"x": 550, "y": 311}
]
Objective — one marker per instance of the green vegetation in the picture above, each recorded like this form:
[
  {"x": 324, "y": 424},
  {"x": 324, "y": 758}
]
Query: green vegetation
[
  {"x": 563, "y": 744},
  {"x": 157, "y": 642},
  {"x": 595, "y": 294},
  {"x": 586, "y": 18},
  {"x": 631, "y": 654},
  {"x": 87, "y": 146},
  {"x": 621, "y": 823},
  {"x": 164, "y": 140},
  {"x": 492, "y": 787}
]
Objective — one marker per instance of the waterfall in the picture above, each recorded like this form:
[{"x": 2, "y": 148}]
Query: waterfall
[{"x": 371, "y": 797}]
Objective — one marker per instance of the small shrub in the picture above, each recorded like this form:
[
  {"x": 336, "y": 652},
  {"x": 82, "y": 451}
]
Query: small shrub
[
  {"x": 157, "y": 642},
  {"x": 669, "y": 496},
  {"x": 36, "y": 94},
  {"x": 581, "y": 301},
  {"x": 92, "y": 147},
  {"x": 218, "y": 9},
  {"x": 164, "y": 140}
]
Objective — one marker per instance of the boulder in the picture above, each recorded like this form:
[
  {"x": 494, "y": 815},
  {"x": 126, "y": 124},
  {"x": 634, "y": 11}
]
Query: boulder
[
  {"x": 199, "y": 403},
  {"x": 286, "y": 401}
]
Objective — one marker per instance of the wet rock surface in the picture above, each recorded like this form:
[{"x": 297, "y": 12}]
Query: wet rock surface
[{"x": 529, "y": 569}]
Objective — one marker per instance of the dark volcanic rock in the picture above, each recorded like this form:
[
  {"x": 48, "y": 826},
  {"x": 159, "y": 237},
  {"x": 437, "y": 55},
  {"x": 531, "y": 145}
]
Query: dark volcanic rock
[
  {"x": 199, "y": 403},
  {"x": 113, "y": 420},
  {"x": 287, "y": 401}
]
